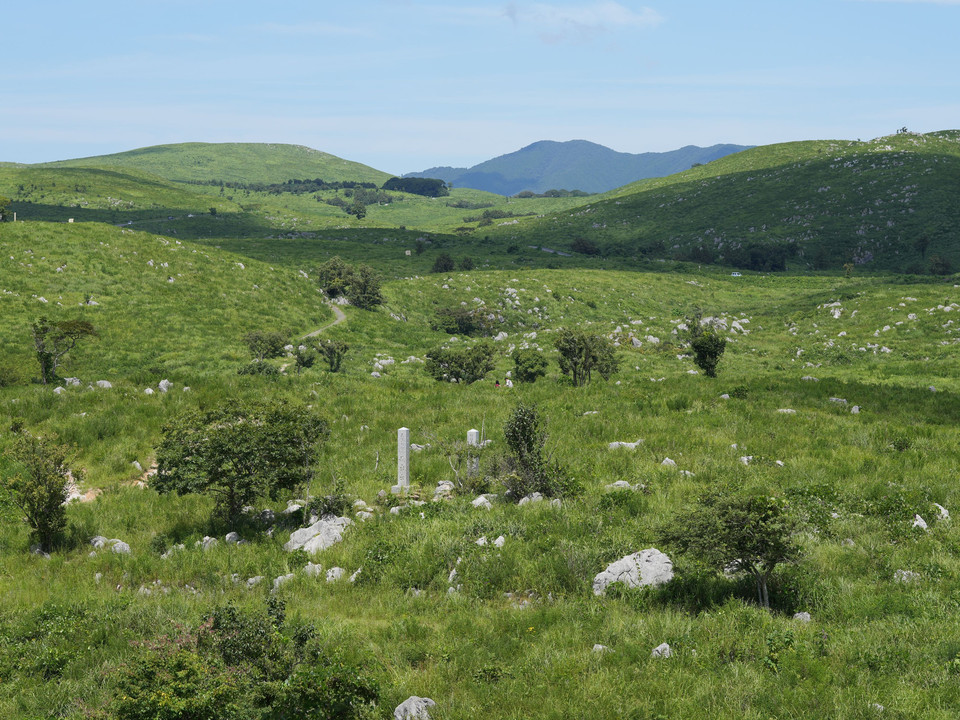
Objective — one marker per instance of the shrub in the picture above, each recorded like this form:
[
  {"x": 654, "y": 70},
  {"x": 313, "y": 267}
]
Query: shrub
[
  {"x": 265, "y": 345},
  {"x": 466, "y": 365},
  {"x": 462, "y": 321},
  {"x": 443, "y": 263},
  {"x": 40, "y": 488},
  {"x": 258, "y": 368},
  {"x": 238, "y": 452},
  {"x": 752, "y": 533},
  {"x": 328, "y": 688},
  {"x": 708, "y": 346},
  {"x": 528, "y": 365},
  {"x": 581, "y": 353},
  {"x": 333, "y": 352},
  {"x": 526, "y": 470}
]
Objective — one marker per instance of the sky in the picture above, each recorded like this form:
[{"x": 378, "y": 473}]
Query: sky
[{"x": 404, "y": 85}]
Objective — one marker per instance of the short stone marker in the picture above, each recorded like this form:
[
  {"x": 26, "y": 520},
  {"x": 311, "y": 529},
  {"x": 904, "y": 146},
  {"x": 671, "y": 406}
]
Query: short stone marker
[
  {"x": 403, "y": 461},
  {"x": 473, "y": 463}
]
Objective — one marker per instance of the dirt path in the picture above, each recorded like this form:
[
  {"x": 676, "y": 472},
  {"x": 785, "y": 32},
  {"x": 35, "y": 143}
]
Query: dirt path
[{"x": 339, "y": 318}]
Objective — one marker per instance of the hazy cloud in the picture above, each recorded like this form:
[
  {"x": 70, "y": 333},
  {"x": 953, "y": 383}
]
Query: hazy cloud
[
  {"x": 557, "y": 23},
  {"x": 315, "y": 29}
]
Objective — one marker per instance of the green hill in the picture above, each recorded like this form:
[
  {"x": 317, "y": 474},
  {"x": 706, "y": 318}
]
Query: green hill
[
  {"x": 572, "y": 165},
  {"x": 437, "y": 605},
  {"x": 887, "y": 204},
  {"x": 233, "y": 162}
]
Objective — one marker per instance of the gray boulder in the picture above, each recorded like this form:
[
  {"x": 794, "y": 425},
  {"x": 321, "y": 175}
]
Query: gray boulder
[
  {"x": 662, "y": 651},
  {"x": 647, "y": 567},
  {"x": 413, "y": 708}
]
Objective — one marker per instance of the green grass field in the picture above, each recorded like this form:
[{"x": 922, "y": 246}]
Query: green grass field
[{"x": 854, "y": 479}]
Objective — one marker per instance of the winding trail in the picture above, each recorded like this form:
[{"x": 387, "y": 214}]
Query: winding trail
[{"x": 339, "y": 317}]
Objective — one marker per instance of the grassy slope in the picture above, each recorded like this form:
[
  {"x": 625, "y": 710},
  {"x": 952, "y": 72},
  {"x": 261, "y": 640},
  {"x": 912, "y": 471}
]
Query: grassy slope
[
  {"x": 872, "y": 639},
  {"x": 828, "y": 202},
  {"x": 233, "y": 162}
]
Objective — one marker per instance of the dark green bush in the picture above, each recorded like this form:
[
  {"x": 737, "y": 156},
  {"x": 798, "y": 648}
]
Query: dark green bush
[{"x": 528, "y": 365}]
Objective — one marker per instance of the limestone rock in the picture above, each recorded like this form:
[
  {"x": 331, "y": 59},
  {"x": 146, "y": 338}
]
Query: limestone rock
[
  {"x": 628, "y": 445},
  {"x": 105, "y": 384},
  {"x": 312, "y": 570},
  {"x": 942, "y": 511},
  {"x": 233, "y": 538},
  {"x": 647, "y": 567},
  {"x": 120, "y": 547},
  {"x": 254, "y": 581},
  {"x": 413, "y": 708},
  {"x": 905, "y": 576},
  {"x": 278, "y": 581},
  {"x": 531, "y": 498},
  {"x": 598, "y": 648},
  {"x": 325, "y": 532},
  {"x": 334, "y": 574},
  {"x": 662, "y": 651},
  {"x": 482, "y": 503},
  {"x": 802, "y": 617},
  {"x": 919, "y": 522},
  {"x": 667, "y": 462}
]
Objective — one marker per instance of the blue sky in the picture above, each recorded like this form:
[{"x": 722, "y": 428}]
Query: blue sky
[{"x": 404, "y": 85}]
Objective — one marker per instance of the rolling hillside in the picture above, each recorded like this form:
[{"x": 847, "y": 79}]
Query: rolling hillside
[
  {"x": 573, "y": 165},
  {"x": 887, "y": 204},
  {"x": 233, "y": 162}
]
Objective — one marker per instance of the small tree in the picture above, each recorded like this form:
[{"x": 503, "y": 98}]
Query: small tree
[
  {"x": 239, "y": 452},
  {"x": 466, "y": 264},
  {"x": 333, "y": 276},
  {"x": 528, "y": 365},
  {"x": 363, "y": 288},
  {"x": 462, "y": 364},
  {"x": 581, "y": 353},
  {"x": 304, "y": 358},
  {"x": 53, "y": 340},
  {"x": 41, "y": 485},
  {"x": 265, "y": 345},
  {"x": 443, "y": 263},
  {"x": 737, "y": 532},
  {"x": 333, "y": 352},
  {"x": 708, "y": 347},
  {"x": 358, "y": 209},
  {"x": 462, "y": 321},
  {"x": 4, "y": 204}
]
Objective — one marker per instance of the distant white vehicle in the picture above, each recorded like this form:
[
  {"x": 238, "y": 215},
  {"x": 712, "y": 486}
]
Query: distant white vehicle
[{"x": 734, "y": 274}]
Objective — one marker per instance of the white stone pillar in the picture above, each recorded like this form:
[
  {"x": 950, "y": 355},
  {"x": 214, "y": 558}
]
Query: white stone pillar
[
  {"x": 403, "y": 461},
  {"x": 473, "y": 463}
]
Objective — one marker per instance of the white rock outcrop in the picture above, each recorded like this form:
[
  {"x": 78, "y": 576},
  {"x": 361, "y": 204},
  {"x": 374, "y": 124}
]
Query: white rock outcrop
[
  {"x": 414, "y": 708},
  {"x": 647, "y": 567},
  {"x": 325, "y": 532}
]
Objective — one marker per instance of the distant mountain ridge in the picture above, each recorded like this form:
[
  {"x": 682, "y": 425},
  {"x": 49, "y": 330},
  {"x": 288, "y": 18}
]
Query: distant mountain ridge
[{"x": 573, "y": 165}]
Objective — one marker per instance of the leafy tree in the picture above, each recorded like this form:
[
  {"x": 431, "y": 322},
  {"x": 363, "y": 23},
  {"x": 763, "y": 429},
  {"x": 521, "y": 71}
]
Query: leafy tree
[
  {"x": 213, "y": 211},
  {"x": 419, "y": 247},
  {"x": 334, "y": 276},
  {"x": 525, "y": 436},
  {"x": 239, "y": 452},
  {"x": 53, "y": 340},
  {"x": 360, "y": 285},
  {"x": 358, "y": 209},
  {"x": 462, "y": 321},
  {"x": 443, "y": 263},
  {"x": 39, "y": 488},
  {"x": 363, "y": 288},
  {"x": 921, "y": 244},
  {"x": 581, "y": 353},
  {"x": 462, "y": 364},
  {"x": 4, "y": 204},
  {"x": 752, "y": 533},
  {"x": 466, "y": 264},
  {"x": 528, "y": 365},
  {"x": 304, "y": 358},
  {"x": 265, "y": 344},
  {"x": 333, "y": 352},
  {"x": 428, "y": 187}
]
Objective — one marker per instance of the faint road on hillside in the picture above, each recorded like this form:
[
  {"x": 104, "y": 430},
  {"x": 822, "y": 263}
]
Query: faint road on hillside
[{"x": 340, "y": 317}]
